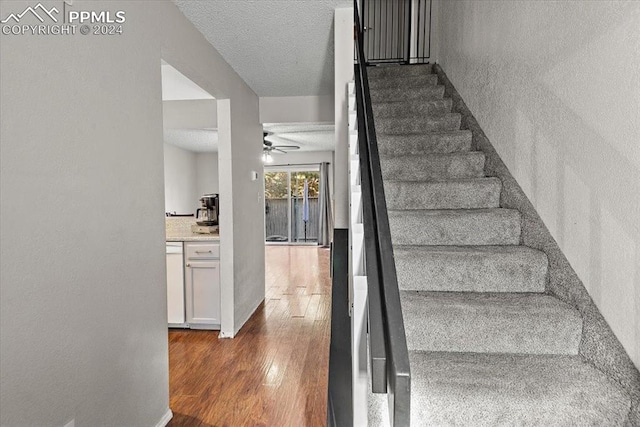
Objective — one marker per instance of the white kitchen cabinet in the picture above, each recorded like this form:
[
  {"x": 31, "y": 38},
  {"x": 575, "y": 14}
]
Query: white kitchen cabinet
[
  {"x": 175, "y": 285},
  {"x": 202, "y": 285}
]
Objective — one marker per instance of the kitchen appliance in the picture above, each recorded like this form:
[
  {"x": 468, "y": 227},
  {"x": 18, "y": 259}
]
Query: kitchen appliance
[{"x": 207, "y": 214}]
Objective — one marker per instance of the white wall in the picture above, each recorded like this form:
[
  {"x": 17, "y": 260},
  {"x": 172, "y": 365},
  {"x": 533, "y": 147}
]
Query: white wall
[
  {"x": 190, "y": 114},
  {"x": 180, "y": 180},
  {"x": 207, "y": 173},
  {"x": 555, "y": 86},
  {"x": 343, "y": 40},
  {"x": 83, "y": 297},
  {"x": 187, "y": 176}
]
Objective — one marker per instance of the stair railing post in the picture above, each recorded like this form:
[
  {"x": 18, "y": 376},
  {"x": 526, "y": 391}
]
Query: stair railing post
[{"x": 407, "y": 31}]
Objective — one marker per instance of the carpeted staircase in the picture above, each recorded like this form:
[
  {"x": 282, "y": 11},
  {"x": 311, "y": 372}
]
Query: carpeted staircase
[{"x": 487, "y": 345}]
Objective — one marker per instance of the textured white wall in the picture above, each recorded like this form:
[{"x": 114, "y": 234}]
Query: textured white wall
[
  {"x": 82, "y": 293},
  {"x": 556, "y": 88},
  {"x": 83, "y": 303},
  {"x": 207, "y": 173},
  {"x": 180, "y": 180}
]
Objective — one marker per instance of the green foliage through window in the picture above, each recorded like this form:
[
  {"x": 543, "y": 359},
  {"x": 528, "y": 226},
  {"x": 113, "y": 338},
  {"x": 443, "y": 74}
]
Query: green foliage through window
[{"x": 276, "y": 184}]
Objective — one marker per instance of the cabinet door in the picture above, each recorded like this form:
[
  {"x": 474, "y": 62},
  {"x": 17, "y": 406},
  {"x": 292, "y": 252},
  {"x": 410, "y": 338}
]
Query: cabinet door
[
  {"x": 175, "y": 288},
  {"x": 203, "y": 294}
]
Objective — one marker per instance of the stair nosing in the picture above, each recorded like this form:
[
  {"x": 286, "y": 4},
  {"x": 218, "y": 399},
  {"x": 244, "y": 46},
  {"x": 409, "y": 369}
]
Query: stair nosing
[{"x": 445, "y": 180}]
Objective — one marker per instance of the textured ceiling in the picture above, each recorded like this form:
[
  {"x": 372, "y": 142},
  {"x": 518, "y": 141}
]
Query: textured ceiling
[
  {"x": 279, "y": 47},
  {"x": 198, "y": 140},
  {"x": 308, "y": 136}
]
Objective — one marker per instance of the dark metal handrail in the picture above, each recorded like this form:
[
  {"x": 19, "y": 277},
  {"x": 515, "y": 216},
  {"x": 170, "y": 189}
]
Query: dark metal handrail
[{"x": 388, "y": 345}]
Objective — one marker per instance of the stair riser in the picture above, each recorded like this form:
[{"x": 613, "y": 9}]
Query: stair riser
[
  {"x": 470, "y": 194},
  {"x": 432, "y": 325},
  {"x": 442, "y": 269},
  {"x": 403, "y": 81},
  {"x": 399, "y": 70},
  {"x": 403, "y": 94},
  {"x": 422, "y": 144},
  {"x": 418, "y": 125},
  {"x": 433, "y": 167},
  {"x": 411, "y": 109},
  {"x": 494, "y": 227}
]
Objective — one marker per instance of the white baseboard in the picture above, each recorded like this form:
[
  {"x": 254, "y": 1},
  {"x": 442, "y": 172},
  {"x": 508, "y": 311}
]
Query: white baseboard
[{"x": 165, "y": 418}]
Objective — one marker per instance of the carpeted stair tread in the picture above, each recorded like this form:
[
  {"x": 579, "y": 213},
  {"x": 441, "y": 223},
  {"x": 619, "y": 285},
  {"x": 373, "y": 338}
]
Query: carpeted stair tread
[
  {"x": 433, "y": 166},
  {"x": 403, "y": 81},
  {"x": 451, "y": 194},
  {"x": 471, "y": 268},
  {"x": 415, "y": 144},
  {"x": 438, "y": 123},
  {"x": 455, "y": 227},
  {"x": 487, "y": 390},
  {"x": 429, "y": 92},
  {"x": 416, "y": 108},
  {"x": 383, "y": 71},
  {"x": 487, "y": 346},
  {"x": 490, "y": 322}
]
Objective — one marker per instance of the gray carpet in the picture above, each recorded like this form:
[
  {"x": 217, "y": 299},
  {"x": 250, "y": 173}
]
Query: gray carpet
[
  {"x": 488, "y": 346},
  {"x": 471, "y": 268},
  {"x": 471, "y": 389}
]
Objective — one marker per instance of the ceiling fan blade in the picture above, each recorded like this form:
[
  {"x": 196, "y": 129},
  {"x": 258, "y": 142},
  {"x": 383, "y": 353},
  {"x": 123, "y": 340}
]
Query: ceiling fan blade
[
  {"x": 275, "y": 139},
  {"x": 269, "y": 140},
  {"x": 286, "y": 140},
  {"x": 278, "y": 150},
  {"x": 288, "y": 147}
]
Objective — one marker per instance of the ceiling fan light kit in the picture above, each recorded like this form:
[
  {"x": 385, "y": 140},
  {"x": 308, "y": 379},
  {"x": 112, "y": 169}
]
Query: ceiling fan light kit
[{"x": 266, "y": 156}]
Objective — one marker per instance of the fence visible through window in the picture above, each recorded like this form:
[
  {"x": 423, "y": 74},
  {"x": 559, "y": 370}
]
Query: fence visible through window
[{"x": 292, "y": 206}]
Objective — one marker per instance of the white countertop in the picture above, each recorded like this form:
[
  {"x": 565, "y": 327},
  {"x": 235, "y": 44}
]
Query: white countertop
[
  {"x": 195, "y": 237},
  {"x": 178, "y": 229}
]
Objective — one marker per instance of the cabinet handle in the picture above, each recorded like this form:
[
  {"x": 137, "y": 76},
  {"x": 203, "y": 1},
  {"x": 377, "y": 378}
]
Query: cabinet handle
[
  {"x": 188, "y": 265},
  {"x": 203, "y": 252}
]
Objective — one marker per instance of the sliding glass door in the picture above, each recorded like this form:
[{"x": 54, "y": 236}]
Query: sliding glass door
[
  {"x": 276, "y": 194},
  {"x": 304, "y": 206},
  {"x": 291, "y": 205}
]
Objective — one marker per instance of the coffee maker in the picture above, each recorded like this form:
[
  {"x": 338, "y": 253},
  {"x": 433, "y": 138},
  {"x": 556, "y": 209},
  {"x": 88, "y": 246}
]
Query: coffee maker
[{"x": 207, "y": 214}]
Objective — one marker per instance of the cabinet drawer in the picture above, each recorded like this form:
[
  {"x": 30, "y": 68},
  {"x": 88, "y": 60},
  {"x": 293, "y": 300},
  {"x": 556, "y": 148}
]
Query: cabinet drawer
[{"x": 203, "y": 250}]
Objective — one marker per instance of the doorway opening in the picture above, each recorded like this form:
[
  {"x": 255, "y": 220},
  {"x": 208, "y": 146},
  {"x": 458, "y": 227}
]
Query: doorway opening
[{"x": 291, "y": 198}]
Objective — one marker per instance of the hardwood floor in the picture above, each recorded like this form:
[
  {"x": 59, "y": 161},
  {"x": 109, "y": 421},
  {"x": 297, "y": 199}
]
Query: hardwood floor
[{"x": 274, "y": 372}]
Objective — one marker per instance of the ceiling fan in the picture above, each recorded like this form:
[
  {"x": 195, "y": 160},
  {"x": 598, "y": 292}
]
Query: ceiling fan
[{"x": 269, "y": 147}]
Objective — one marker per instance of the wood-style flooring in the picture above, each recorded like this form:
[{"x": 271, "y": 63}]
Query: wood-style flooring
[{"x": 274, "y": 372}]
